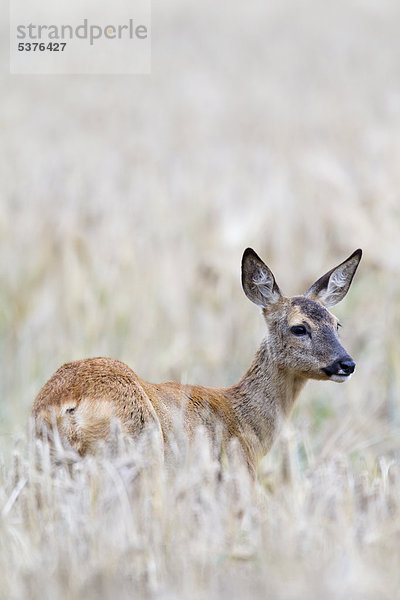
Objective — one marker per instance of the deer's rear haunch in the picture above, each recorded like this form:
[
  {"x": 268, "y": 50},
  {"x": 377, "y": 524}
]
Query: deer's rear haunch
[{"x": 82, "y": 398}]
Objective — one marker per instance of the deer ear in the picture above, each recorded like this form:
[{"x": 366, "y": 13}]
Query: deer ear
[
  {"x": 258, "y": 282},
  {"x": 332, "y": 287}
]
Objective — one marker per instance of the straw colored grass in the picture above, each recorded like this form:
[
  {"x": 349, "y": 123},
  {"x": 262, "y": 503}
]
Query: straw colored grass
[{"x": 125, "y": 206}]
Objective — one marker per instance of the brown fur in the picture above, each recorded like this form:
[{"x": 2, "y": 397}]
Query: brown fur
[{"x": 83, "y": 397}]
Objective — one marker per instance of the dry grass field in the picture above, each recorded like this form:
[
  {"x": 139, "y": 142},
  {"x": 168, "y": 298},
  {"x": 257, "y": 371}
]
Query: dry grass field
[{"x": 125, "y": 205}]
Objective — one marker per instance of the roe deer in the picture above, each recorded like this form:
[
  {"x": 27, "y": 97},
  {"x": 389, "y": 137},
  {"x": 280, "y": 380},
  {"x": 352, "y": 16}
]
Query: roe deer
[{"x": 302, "y": 343}]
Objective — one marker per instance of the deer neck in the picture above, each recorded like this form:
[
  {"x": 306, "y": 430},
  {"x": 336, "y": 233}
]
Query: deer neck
[{"x": 264, "y": 398}]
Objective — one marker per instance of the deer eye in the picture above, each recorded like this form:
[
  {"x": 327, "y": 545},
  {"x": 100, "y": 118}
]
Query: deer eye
[{"x": 298, "y": 330}]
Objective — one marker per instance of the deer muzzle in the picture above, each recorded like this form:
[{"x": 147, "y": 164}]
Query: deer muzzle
[{"x": 341, "y": 369}]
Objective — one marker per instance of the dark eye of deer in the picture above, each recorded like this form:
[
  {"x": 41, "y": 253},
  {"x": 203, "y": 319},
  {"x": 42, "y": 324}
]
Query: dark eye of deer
[{"x": 298, "y": 330}]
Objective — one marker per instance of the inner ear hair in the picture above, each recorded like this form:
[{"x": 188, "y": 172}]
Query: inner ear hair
[
  {"x": 258, "y": 281},
  {"x": 332, "y": 287}
]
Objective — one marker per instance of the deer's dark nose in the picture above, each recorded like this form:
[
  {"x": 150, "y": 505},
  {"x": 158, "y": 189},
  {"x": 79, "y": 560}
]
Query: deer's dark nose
[
  {"x": 343, "y": 366},
  {"x": 347, "y": 366}
]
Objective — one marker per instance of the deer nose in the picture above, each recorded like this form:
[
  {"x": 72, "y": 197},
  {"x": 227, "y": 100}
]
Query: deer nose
[
  {"x": 342, "y": 366},
  {"x": 347, "y": 366}
]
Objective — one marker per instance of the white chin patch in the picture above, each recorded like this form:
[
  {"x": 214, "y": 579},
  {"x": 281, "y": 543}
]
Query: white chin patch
[{"x": 340, "y": 378}]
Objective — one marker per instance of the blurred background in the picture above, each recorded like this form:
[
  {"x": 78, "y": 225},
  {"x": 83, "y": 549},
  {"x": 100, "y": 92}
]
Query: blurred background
[{"x": 126, "y": 203}]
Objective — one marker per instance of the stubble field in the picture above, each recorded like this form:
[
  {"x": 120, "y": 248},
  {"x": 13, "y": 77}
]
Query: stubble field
[{"x": 125, "y": 206}]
